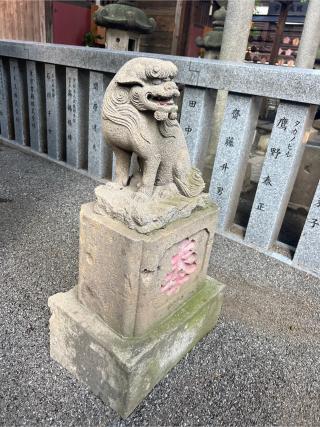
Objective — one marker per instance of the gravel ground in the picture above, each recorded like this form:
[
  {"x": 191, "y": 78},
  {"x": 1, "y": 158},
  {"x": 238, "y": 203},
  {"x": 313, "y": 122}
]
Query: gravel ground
[{"x": 241, "y": 374}]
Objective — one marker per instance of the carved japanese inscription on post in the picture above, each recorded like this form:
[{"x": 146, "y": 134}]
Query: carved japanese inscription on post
[{"x": 285, "y": 150}]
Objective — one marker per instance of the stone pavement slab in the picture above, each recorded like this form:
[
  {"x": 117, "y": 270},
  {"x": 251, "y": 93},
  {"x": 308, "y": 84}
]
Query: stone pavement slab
[{"x": 248, "y": 371}]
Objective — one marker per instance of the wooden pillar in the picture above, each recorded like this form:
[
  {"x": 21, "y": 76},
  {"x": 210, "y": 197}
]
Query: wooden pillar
[
  {"x": 285, "y": 6},
  {"x": 181, "y": 27}
]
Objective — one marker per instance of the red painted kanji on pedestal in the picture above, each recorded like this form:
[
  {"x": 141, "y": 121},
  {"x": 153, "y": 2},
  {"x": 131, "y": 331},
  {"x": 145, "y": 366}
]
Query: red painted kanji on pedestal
[{"x": 184, "y": 263}]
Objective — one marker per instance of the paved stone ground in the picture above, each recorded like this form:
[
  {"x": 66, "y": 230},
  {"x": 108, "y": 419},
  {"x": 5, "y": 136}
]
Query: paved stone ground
[{"x": 246, "y": 372}]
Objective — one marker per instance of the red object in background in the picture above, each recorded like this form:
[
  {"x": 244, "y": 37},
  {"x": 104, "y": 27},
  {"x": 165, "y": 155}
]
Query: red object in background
[
  {"x": 199, "y": 23},
  {"x": 70, "y": 23}
]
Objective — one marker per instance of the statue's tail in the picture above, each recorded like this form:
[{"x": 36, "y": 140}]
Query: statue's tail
[{"x": 192, "y": 184}]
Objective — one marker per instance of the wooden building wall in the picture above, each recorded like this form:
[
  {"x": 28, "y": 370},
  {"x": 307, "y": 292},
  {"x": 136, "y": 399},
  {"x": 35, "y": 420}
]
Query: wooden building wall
[
  {"x": 179, "y": 22},
  {"x": 160, "y": 41},
  {"x": 23, "y": 20}
]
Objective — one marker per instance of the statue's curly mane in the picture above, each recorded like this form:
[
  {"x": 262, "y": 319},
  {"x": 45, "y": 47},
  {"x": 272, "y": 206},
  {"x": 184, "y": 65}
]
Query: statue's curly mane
[{"x": 118, "y": 109}]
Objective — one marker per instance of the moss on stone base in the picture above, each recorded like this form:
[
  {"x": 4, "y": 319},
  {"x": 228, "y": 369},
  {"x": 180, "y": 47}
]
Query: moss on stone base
[{"x": 120, "y": 370}]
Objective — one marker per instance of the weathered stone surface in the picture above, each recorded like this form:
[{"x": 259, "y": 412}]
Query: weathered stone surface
[
  {"x": 280, "y": 168},
  {"x": 129, "y": 279},
  {"x": 293, "y": 84},
  {"x": 310, "y": 38},
  {"x": 236, "y": 136},
  {"x": 195, "y": 121},
  {"x": 134, "y": 283},
  {"x": 99, "y": 154},
  {"x": 143, "y": 213},
  {"x": 124, "y": 15},
  {"x": 119, "y": 370},
  {"x": 36, "y": 99},
  {"x": 122, "y": 40},
  {"x": 307, "y": 178},
  {"x": 77, "y": 122},
  {"x": 6, "y": 117},
  {"x": 307, "y": 253},
  {"x": 236, "y": 30},
  {"x": 56, "y": 119},
  {"x": 308, "y": 174},
  {"x": 19, "y": 101}
]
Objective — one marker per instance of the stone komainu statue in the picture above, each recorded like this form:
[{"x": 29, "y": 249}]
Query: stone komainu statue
[{"x": 139, "y": 116}]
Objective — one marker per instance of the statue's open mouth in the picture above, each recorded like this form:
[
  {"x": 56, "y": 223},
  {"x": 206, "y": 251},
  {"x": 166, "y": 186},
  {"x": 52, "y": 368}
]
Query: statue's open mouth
[{"x": 162, "y": 100}]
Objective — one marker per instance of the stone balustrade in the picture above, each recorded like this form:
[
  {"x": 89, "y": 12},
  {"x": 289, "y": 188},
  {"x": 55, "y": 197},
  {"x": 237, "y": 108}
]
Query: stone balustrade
[{"x": 50, "y": 100}]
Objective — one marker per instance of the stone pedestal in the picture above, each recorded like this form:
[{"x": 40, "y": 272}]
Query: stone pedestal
[
  {"x": 122, "y": 370},
  {"x": 142, "y": 302}
]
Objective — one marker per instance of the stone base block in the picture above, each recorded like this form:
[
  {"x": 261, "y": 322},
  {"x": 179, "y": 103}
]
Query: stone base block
[
  {"x": 133, "y": 281},
  {"x": 122, "y": 371}
]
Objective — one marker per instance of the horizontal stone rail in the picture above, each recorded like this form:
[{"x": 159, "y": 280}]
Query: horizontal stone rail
[
  {"x": 50, "y": 100},
  {"x": 291, "y": 84}
]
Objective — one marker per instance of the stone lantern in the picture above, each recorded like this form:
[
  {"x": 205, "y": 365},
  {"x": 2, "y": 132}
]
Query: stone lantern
[
  {"x": 124, "y": 23},
  {"x": 212, "y": 41}
]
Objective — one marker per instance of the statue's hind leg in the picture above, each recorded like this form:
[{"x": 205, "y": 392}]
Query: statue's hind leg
[
  {"x": 150, "y": 165},
  {"x": 123, "y": 160},
  {"x": 182, "y": 164}
]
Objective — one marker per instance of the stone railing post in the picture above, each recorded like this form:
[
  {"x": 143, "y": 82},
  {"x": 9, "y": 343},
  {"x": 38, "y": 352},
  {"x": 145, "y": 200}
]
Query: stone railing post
[
  {"x": 306, "y": 57},
  {"x": 233, "y": 48}
]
